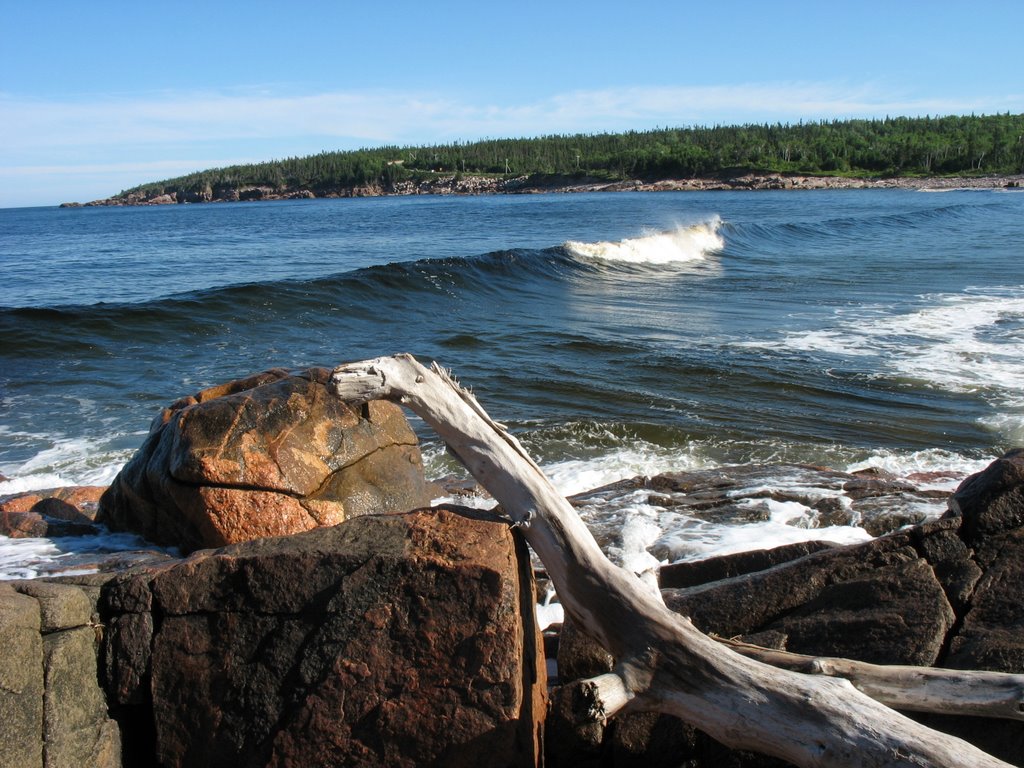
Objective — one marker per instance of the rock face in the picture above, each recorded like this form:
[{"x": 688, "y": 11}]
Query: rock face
[
  {"x": 268, "y": 455},
  {"x": 395, "y": 640},
  {"x": 948, "y": 593}
]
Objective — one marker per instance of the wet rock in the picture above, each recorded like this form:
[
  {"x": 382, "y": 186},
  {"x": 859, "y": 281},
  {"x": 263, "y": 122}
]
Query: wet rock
[
  {"x": 989, "y": 506},
  {"x": 271, "y": 454},
  {"x": 689, "y": 574},
  {"x": 945, "y": 593},
  {"x": 876, "y": 601},
  {"x": 66, "y": 511},
  {"x": 991, "y": 502}
]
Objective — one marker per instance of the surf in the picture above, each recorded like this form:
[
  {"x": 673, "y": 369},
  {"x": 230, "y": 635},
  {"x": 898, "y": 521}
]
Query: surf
[{"x": 680, "y": 245}]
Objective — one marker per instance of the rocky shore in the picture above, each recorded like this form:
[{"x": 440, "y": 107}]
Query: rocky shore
[
  {"x": 488, "y": 185},
  {"x": 317, "y": 622}
]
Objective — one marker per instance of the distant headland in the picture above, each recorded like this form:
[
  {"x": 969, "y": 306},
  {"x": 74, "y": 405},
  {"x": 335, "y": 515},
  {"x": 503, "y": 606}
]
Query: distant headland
[
  {"x": 923, "y": 152},
  {"x": 483, "y": 185}
]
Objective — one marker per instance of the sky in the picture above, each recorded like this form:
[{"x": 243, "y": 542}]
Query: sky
[{"x": 100, "y": 97}]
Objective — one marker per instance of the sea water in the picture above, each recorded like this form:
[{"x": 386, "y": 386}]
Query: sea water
[{"x": 617, "y": 334}]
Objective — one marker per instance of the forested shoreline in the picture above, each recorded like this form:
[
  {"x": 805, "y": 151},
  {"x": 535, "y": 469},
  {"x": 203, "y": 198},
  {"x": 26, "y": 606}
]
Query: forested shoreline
[{"x": 887, "y": 148}]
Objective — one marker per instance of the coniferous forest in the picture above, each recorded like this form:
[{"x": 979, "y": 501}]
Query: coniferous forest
[{"x": 902, "y": 146}]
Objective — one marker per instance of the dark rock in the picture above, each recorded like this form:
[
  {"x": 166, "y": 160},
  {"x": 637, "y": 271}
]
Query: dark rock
[
  {"x": 23, "y": 525},
  {"x": 876, "y": 601},
  {"x": 992, "y": 635},
  {"x": 991, "y": 501},
  {"x": 127, "y": 656},
  {"x": 388, "y": 640},
  {"x": 945, "y": 593},
  {"x": 271, "y": 454},
  {"x": 579, "y": 655},
  {"x": 567, "y": 743},
  {"x": 884, "y": 523},
  {"x": 697, "y": 572}
]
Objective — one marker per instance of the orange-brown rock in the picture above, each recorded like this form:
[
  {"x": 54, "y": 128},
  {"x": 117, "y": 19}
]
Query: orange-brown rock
[
  {"x": 67, "y": 511},
  {"x": 267, "y": 455}
]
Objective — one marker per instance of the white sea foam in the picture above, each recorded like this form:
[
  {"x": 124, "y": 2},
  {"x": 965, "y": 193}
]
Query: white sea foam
[
  {"x": 639, "y": 535},
  {"x": 572, "y": 476},
  {"x": 932, "y": 469},
  {"x": 61, "y": 461},
  {"x": 33, "y": 557},
  {"x": 683, "y": 244},
  {"x": 969, "y": 342},
  {"x": 703, "y": 539}
]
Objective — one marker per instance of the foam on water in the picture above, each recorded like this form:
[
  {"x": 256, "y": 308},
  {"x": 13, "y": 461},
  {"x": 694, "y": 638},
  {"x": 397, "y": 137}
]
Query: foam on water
[
  {"x": 970, "y": 342},
  {"x": 34, "y": 557},
  {"x": 683, "y": 244},
  {"x": 55, "y": 460},
  {"x": 701, "y": 539},
  {"x": 932, "y": 469}
]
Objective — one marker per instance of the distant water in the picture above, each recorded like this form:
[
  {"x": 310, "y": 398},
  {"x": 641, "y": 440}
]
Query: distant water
[{"x": 616, "y": 333}]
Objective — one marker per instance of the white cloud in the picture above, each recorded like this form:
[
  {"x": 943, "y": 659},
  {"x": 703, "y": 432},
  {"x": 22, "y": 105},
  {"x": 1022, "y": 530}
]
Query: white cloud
[{"x": 395, "y": 116}]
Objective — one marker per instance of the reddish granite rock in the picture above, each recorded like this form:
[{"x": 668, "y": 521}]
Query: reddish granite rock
[
  {"x": 267, "y": 455},
  {"x": 395, "y": 640},
  {"x": 65, "y": 511}
]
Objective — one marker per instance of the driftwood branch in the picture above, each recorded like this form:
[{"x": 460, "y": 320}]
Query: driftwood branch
[
  {"x": 913, "y": 689},
  {"x": 663, "y": 662}
]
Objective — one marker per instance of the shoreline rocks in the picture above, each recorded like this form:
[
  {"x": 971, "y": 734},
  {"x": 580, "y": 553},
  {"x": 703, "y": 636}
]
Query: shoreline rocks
[
  {"x": 947, "y": 593},
  {"x": 69, "y": 511},
  {"x": 460, "y": 184},
  {"x": 411, "y": 638}
]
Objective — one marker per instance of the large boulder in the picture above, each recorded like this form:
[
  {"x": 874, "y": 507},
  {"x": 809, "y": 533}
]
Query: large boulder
[
  {"x": 272, "y": 454},
  {"x": 947, "y": 593},
  {"x": 395, "y": 640}
]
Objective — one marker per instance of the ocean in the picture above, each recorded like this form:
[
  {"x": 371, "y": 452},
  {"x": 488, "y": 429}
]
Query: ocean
[{"x": 616, "y": 334}]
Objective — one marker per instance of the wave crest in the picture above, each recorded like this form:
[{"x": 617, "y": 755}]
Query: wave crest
[{"x": 682, "y": 244}]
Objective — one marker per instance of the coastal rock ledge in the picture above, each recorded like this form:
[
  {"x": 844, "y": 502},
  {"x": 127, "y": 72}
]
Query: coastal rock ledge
[
  {"x": 410, "y": 639},
  {"x": 468, "y": 184}
]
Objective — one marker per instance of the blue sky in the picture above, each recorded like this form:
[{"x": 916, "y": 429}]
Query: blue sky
[{"x": 99, "y": 97}]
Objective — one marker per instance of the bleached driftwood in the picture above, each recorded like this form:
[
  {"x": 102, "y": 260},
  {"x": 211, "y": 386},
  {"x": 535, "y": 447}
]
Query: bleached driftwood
[
  {"x": 912, "y": 689},
  {"x": 663, "y": 663}
]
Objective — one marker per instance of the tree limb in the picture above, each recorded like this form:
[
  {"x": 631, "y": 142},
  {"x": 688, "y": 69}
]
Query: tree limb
[{"x": 913, "y": 689}]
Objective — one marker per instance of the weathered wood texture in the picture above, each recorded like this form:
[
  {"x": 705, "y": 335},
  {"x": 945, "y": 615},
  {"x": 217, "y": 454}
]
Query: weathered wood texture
[
  {"x": 912, "y": 689},
  {"x": 663, "y": 662}
]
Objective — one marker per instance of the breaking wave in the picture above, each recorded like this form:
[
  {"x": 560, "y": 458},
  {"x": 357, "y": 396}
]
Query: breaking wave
[{"x": 682, "y": 244}]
